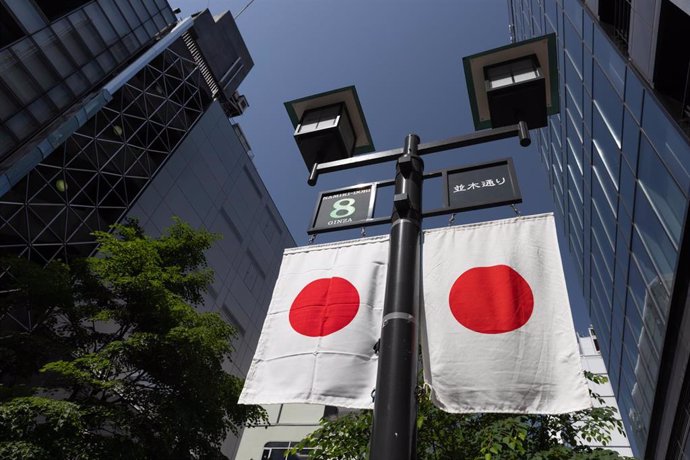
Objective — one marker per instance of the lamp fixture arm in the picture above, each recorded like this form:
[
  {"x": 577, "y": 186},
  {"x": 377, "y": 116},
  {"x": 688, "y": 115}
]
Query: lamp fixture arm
[{"x": 520, "y": 130}]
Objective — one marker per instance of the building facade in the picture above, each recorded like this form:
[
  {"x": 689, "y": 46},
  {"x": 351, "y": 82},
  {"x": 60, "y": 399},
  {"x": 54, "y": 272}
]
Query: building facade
[
  {"x": 114, "y": 109},
  {"x": 618, "y": 159}
]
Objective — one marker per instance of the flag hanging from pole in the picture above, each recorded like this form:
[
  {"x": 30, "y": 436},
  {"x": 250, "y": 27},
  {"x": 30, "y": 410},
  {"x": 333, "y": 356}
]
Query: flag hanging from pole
[
  {"x": 497, "y": 333},
  {"x": 317, "y": 342}
]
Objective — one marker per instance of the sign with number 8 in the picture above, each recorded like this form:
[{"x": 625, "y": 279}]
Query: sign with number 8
[{"x": 344, "y": 207}]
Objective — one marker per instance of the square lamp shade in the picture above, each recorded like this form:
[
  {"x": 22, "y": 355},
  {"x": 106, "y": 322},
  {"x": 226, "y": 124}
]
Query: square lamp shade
[
  {"x": 329, "y": 126},
  {"x": 518, "y": 82}
]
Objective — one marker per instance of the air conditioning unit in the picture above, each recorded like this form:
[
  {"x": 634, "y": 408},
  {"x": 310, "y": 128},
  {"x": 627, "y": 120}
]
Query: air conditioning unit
[{"x": 236, "y": 105}]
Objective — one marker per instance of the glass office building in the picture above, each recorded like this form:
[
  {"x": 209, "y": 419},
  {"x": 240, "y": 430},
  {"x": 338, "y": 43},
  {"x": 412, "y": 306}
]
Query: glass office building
[
  {"x": 618, "y": 159},
  {"x": 112, "y": 109}
]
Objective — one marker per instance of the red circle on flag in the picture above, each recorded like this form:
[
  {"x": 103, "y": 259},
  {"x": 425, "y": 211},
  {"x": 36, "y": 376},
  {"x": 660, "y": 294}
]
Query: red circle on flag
[
  {"x": 324, "y": 306},
  {"x": 491, "y": 300}
]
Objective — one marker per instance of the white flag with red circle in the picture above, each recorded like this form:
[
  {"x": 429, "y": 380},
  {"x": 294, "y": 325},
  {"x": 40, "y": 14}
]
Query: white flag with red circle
[
  {"x": 498, "y": 334},
  {"x": 317, "y": 342}
]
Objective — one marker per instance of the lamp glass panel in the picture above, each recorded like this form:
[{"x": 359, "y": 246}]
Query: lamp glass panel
[
  {"x": 318, "y": 119},
  {"x": 517, "y": 71},
  {"x": 525, "y": 70},
  {"x": 499, "y": 76}
]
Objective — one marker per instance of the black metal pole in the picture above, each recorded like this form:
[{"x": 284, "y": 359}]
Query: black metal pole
[{"x": 395, "y": 411}]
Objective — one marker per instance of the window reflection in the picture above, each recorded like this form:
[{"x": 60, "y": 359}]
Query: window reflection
[
  {"x": 631, "y": 136},
  {"x": 573, "y": 46},
  {"x": 633, "y": 94},
  {"x": 609, "y": 104},
  {"x": 662, "y": 192},
  {"x": 672, "y": 148},
  {"x": 609, "y": 59}
]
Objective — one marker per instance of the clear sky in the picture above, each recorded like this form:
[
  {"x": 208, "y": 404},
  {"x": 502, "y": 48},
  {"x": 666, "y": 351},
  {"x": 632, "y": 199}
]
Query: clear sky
[{"x": 404, "y": 57}]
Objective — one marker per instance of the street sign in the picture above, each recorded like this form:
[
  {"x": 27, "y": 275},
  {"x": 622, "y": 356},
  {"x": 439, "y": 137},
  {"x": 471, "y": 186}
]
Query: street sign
[
  {"x": 481, "y": 186},
  {"x": 344, "y": 208}
]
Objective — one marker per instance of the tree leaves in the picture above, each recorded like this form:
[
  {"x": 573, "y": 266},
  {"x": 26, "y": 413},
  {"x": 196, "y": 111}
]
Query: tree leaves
[
  {"x": 441, "y": 435},
  {"x": 126, "y": 367}
]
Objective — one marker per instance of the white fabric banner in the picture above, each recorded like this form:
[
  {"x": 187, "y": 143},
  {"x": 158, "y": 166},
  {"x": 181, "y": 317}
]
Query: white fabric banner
[
  {"x": 317, "y": 342},
  {"x": 498, "y": 335}
]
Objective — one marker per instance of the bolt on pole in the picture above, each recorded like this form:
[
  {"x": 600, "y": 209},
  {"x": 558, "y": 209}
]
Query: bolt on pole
[{"x": 395, "y": 406}]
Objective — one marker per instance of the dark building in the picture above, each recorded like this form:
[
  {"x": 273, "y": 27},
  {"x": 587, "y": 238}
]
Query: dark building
[
  {"x": 114, "y": 108},
  {"x": 618, "y": 158}
]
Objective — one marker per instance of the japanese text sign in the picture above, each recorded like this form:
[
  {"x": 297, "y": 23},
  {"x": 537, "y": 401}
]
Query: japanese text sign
[{"x": 483, "y": 185}]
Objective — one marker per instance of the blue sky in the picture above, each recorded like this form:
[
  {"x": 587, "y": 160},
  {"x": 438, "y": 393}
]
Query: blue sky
[{"x": 404, "y": 57}]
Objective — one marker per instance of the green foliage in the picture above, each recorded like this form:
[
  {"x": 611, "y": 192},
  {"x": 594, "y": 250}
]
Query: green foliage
[
  {"x": 117, "y": 362},
  {"x": 442, "y": 436}
]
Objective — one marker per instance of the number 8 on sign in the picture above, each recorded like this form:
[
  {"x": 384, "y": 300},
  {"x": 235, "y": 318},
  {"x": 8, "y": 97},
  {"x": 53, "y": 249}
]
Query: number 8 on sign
[{"x": 343, "y": 206}]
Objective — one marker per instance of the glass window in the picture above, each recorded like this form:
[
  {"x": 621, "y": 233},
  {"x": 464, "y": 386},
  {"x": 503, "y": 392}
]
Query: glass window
[
  {"x": 650, "y": 243},
  {"x": 576, "y": 205},
  {"x": 555, "y": 123},
  {"x": 573, "y": 10},
  {"x": 113, "y": 13},
  {"x": 573, "y": 88},
  {"x": 31, "y": 58},
  {"x": 573, "y": 46},
  {"x": 16, "y": 79},
  {"x": 89, "y": 37},
  {"x": 587, "y": 30},
  {"x": 64, "y": 30},
  {"x": 129, "y": 14},
  {"x": 611, "y": 62},
  {"x": 605, "y": 147},
  {"x": 664, "y": 195},
  {"x": 602, "y": 247},
  {"x": 551, "y": 26},
  {"x": 575, "y": 219},
  {"x": 551, "y": 8},
  {"x": 609, "y": 104},
  {"x": 60, "y": 96},
  {"x": 556, "y": 159},
  {"x": 633, "y": 94},
  {"x": 621, "y": 276},
  {"x": 587, "y": 122},
  {"x": 627, "y": 190},
  {"x": 601, "y": 311},
  {"x": 631, "y": 136},
  {"x": 101, "y": 23},
  {"x": 587, "y": 69},
  {"x": 575, "y": 158},
  {"x": 670, "y": 145},
  {"x": 613, "y": 365},
  {"x": 574, "y": 126},
  {"x": 602, "y": 188}
]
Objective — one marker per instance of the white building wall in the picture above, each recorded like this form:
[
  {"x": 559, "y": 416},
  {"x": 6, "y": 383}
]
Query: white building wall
[{"x": 594, "y": 363}]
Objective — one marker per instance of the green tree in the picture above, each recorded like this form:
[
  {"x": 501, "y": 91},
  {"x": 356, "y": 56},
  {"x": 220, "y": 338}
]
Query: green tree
[
  {"x": 442, "y": 436},
  {"x": 115, "y": 361}
]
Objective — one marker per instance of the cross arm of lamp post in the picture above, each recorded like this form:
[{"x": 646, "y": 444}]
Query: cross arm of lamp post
[{"x": 521, "y": 130}]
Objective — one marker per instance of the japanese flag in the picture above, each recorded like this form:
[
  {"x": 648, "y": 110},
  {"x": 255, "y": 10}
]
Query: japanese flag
[
  {"x": 498, "y": 333},
  {"x": 317, "y": 342}
]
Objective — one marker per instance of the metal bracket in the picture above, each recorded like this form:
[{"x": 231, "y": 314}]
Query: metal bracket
[
  {"x": 405, "y": 164},
  {"x": 401, "y": 202}
]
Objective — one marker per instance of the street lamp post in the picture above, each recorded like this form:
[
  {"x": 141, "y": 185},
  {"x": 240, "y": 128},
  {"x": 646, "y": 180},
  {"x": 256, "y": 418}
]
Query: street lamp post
[
  {"x": 503, "y": 85},
  {"x": 395, "y": 404}
]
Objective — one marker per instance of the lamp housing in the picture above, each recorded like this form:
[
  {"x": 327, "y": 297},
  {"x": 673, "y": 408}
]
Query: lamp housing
[
  {"x": 513, "y": 83},
  {"x": 329, "y": 126}
]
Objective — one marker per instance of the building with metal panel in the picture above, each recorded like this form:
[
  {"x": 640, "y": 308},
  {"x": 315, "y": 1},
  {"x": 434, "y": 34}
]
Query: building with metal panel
[
  {"x": 618, "y": 159},
  {"x": 113, "y": 109}
]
